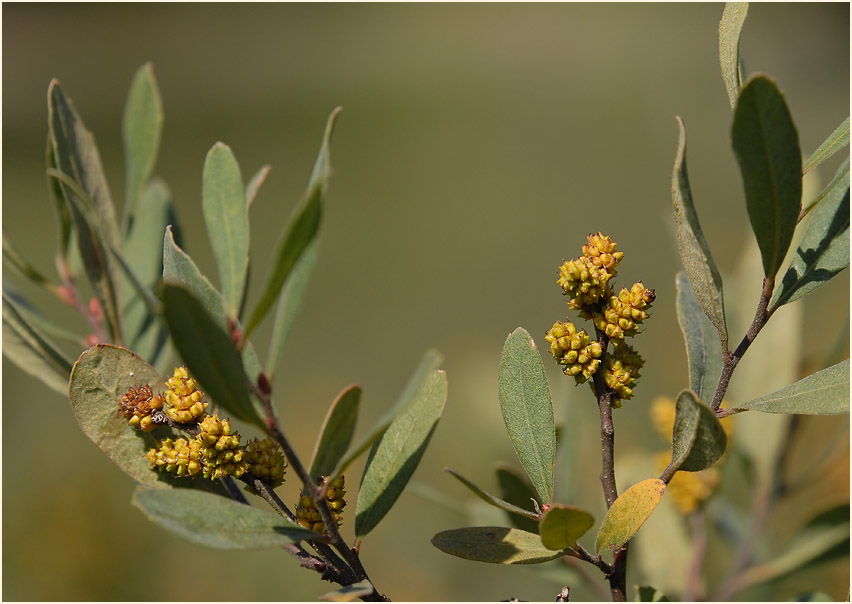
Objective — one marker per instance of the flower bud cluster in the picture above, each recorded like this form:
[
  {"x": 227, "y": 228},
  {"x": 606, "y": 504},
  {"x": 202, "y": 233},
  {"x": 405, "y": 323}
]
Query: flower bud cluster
[
  {"x": 184, "y": 398},
  {"x": 137, "y": 404},
  {"x": 625, "y": 312},
  {"x": 621, "y": 371},
  {"x": 579, "y": 356},
  {"x": 584, "y": 279},
  {"x": 308, "y": 516},
  {"x": 221, "y": 450},
  {"x": 181, "y": 457},
  {"x": 266, "y": 461}
]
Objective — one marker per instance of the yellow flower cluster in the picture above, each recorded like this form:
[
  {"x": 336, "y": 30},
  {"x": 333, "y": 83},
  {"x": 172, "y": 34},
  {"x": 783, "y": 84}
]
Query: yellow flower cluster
[
  {"x": 308, "y": 516},
  {"x": 625, "y": 312},
  {"x": 574, "y": 350}
]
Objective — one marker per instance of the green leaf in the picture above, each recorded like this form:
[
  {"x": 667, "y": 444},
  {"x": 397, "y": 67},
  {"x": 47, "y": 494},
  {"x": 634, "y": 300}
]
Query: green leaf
[
  {"x": 336, "y": 432},
  {"x": 824, "y": 249},
  {"x": 13, "y": 259},
  {"x": 698, "y": 439},
  {"x": 226, "y": 216},
  {"x": 349, "y": 593},
  {"x": 215, "y": 521},
  {"x": 702, "y": 342},
  {"x": 289, "y": 303},
  {"x": 34, "y": 317},
  {"x": 395, "y": 457},
  {"x": 416, "y": 383},
  {"x": 694, "y": 251},
  {"x": 562, "y": 525},
  {"x": 140, "y": 128},
  {"x": 301, "y": 231},
  {"x": 813, "y": 596},
  {"x": 766, "y": 144},
  {"x": 208, "y": 353},
  {"x": 254, "y": 184},
  {"x": 834, "y": 143},
  {"x": 491, "y": 499},
  {"x": 628, "y": 513},
  {"x": 516, "y": 490},
  {"x": 825, "y": 392},
  {"x": 31, "y": 350},
  {"x": 646, "y": 593},
  {"x": 730, "y": 32},
  {"x": 99, "y": 378},
  {"x": 527, "y": 410},
  {"x": 495, "y": 545},
  {"x": 60, "y": 207}
]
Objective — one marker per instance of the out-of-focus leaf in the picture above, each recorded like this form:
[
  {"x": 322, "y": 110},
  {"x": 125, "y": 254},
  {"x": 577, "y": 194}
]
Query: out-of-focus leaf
[
  {"x": 730, "y": 31},
  {"x": 100, "y": 376},
  {"x": 34, "y": 317},
  {"x": 628, "y": 513},
  {"x": 349, "y": 593},
  {"x": 841, "y": 174},
  {"x": 63, "y": 216},
  {"x": 419, "y": 380},
  {"x": 702, "y": 342},
  {"x": 516, "y": 490},
  {"x": 698, "y": 439},
  {"x": 254, "y": 184},
  {"x": 824, "y": 249},
  {"x": 813, "y": 596},
  {"x": 834, "y": 143},
  {"x": 226, "y": 216},
  {"x": 527, "y": 410},
  {"x": 396, "y": 455},
  {"x": 646, "y": 593},
  {"x": 825, "y": 392},
  {"x": 694, "y": 251},
  {"x": 495, "y": 545},
  {"x": 336, "y": 432},
  {"x": 208, "y": 353},
  {"x": 215, "y": 521},
  {"x": 301, "y": 231},
  {"x": 491, "y": 499},
  {"x": 13, "y": 259},
  {"x": 32, "y": 351},
  {"x": 289, "y": 303},
  {"x": 766, "y": 144},
  {"x": 562, "y": 525},
  {"x": 140, "y": 129}
]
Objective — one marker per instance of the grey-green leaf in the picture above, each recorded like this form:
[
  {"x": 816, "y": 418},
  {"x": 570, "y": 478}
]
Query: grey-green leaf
[
  {"x": 766, "y": 144},
  {"x": 694, "y": 251},
  {"x": 301, "y": 231},
  {"x": 255, "y": 183},
  {"x": 349, "y": 593},
  {"x": 395, "y": 457},
  {"x": 703, "y": 353},
  {"x": 208, "y": 352},
  {"x": 336, "y": 432},
  {"x": 628, "y": 513},
  {"x": 140, "y": 129},
  {"x": 730, "y": 31},
  {"x": 824, "y": 249},
  {"x": 28, "y": 348},
  {"x": 698, "y": 439},
  {"x": 491, "y": 499},
  {"x": 646, "y": 593},
  {"x": 516, "y": 489},
  {"x": 494, "y": 545},
  {"x": 226, "y": 216},
  {"x": 561, "y": 525},
  {"x": 215, "y": 521},
  {"x": 825, "y": 392},
  {"x": 527, "y": 410},
  {"x": 834, "y": 143}
]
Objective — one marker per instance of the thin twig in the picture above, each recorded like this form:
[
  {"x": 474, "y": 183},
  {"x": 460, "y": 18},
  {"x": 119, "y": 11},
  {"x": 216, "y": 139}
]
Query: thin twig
[{"x": 699, "y": 548}]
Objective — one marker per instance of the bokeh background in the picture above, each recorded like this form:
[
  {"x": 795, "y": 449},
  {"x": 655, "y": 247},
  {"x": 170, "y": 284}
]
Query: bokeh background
[{"x": 478, "y": 145}]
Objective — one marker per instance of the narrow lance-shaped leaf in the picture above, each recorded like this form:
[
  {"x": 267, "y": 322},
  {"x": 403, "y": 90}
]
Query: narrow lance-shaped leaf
[
  {"x": 694, "y": 251},
  {"x": 301, "y": 231},
  {"x": 14, "y": 259},
  {"x": 834, "y": 143},
  {"x": 730, "y": 32},
  {"x": 140, "y": 128},
  {"x": 561, "y": 525},
  {"x": 494, "y": 545},
  {"x": 825, "y": 392},
  {"x": 628, "y": 513},
  {"x": 255, "y": 183},
  {"x": 349, "y": 593},
  {"x": 60, "y": 207},
  {"x": 491, "y": 499},
  {"x": 336, "y": 432},
  {"x": 397, "y": 454},
  {"x": 527, "y": 410},
  {"x": 841, "y": 174},
  {"x": 516, "y": 489},
  {"x": 37, "y": 319},
  {"x": 215, "y": 521},
  {"x": 766, "y": 144},
  {"x": 702, "y": 342},
  {"x": 824, "y": 249},
  {"x": 208, "y": 352},
  {"x": 31, "y": 350},
  {"x": 698, "y": 439},
  {"x": 226, "y": 216},
  {"x": 646, "y": 593}
]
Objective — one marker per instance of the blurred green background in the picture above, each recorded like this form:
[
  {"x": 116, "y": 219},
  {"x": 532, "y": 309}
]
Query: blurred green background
[{"x": 478, "y": 145}]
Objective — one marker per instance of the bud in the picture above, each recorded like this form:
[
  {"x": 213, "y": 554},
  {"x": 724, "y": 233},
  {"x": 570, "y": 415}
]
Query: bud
[
  {"x": 624, "y": 312},
  {"x": 579, "y": 356},
  {"x": 621, "y": 372},
  {"x": 184, "y": 398},
  {"x": 221, "y": 452},
  {"x": 601, "y": 251},
  {"x": 266, "y": 461},
  {"x": 309, "y": 517},
  {"x": 137, "y": 404},
  {"x": 181, "y": 457}
]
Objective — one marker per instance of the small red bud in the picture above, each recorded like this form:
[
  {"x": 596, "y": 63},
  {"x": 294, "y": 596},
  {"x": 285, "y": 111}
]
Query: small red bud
[
  {"x": 92, "y": 340},
  {"x": 66, "y": 294},
  {"x": 95, "y": 309},
  {"x": 263, "y": 383}
]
